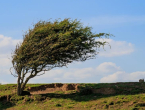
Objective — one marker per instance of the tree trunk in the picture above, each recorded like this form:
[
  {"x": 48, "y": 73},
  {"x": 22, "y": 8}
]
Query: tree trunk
[
  {"x": 19, "y": 90},
  {"x": 21, "y": 87},
  {"x": 24, "y": 84}
]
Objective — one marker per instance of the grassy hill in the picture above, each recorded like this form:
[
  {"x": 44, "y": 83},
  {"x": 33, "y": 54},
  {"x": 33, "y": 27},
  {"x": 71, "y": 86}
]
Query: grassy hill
[{"x": 82, "y": 96}]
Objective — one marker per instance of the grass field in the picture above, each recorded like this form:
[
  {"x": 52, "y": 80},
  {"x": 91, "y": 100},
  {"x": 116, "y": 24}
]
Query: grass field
[{"x": 127, "y": 96}]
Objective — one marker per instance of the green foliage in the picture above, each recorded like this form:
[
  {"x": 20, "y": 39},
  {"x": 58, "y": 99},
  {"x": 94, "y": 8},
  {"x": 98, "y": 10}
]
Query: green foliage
[
  {"x": 53, "y": 44},
  {"x": 16, "y": 98}
]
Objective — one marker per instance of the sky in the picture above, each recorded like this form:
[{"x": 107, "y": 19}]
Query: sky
[{"x": 125, "y": 19}]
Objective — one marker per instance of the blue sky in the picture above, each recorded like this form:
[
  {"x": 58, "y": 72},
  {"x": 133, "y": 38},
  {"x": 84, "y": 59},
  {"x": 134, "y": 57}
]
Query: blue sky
[{"x": 125, "y": 19}]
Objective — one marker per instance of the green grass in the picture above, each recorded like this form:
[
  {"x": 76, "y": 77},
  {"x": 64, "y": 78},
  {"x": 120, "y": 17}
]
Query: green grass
[{"x": 123, "y": 99}]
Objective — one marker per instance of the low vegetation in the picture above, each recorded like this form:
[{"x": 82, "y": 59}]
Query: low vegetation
[{"x": 102, "y": 96}]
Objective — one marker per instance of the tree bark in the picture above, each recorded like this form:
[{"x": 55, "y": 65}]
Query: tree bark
[
  {"x": 21, "y": 86},
  {"x": 24, "y": 84},
  {"x": 19, "y": 90}
]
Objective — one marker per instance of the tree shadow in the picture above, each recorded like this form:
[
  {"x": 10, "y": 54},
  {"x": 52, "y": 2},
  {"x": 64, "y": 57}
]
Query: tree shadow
[
  {"x": 94, "y": 96},
  {"x": 5, "y": 102}
]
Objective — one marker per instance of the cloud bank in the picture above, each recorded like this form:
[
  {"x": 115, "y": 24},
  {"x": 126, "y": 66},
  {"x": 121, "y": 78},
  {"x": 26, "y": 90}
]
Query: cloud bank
[
  {"x": 122, "y": 76},
  {"x": 118, "y": 48},
  {"x": 108, "y": 71}
]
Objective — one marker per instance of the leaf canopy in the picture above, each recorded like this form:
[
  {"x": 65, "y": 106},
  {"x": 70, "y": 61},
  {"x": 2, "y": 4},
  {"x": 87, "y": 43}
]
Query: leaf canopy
[{"x": 56, "y": 43}]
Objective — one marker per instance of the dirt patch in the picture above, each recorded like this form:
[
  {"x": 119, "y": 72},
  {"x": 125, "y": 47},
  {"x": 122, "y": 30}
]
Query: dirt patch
[
  {"x": 50, "y": 88},
  {"x": 43, "y": 89}
]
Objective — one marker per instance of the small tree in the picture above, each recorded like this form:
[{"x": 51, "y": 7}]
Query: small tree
[{"x": 55, "y": 44}]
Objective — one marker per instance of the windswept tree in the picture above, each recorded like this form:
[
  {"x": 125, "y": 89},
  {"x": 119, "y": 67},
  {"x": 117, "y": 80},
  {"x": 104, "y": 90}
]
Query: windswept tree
[{"x": 53, "y": 44}]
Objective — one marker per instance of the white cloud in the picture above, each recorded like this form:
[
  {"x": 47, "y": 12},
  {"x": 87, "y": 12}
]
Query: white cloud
[
  {"x": 6, "y": 44},
  {"x": 118, "y": 48},
  {"x": 137, "y": 75},
  {"x": 122, "y": 76},
  {"x": 104, "y": 70},
  {"x": 113, "y": 77},
  {"x": 78, "y": 73},
  {"x": 73, "y": 74},
  {"x": 6, "y": 47},
  {"x": 107, "y": 67}
]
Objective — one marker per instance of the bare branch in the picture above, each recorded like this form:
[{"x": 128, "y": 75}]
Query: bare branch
[
  {"x": 11, "y": 72},
  {"x": 48, "y": 69},
  {"x": 22, "y": 78},
  {"x": 41, "y": 74}
]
